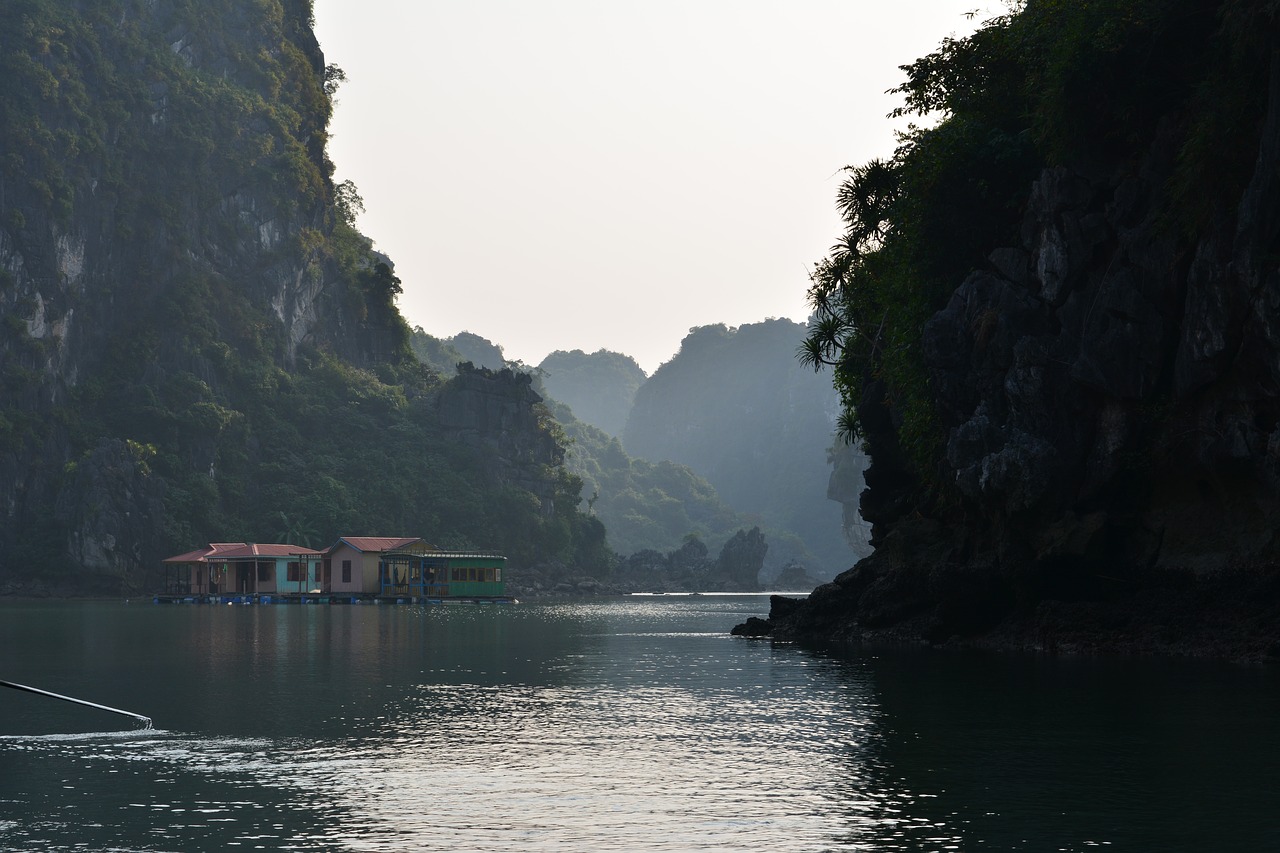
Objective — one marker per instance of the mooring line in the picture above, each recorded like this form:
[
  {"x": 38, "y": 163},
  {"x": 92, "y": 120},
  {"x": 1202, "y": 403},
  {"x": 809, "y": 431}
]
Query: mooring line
[{"x": 37, "y": 690}]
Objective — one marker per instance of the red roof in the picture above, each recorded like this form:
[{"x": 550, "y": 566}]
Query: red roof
[
  {"x": 266, "y": 551},
  {"x": 189, "y": 557},
  {"x": 241, "y": 550},
  {"x": 377, "y": 543},
  {"x": 202, "y": 555}
]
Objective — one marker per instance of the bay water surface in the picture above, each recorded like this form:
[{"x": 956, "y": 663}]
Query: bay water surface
[{"x": 631, "y": 724}]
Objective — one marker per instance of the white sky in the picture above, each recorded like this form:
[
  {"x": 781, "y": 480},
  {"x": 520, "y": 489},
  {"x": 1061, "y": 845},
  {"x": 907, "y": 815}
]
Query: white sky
[{"x": 586, "y": 174}]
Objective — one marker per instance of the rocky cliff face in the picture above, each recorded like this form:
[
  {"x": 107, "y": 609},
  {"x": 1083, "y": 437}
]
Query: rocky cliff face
[
  {"x": 1117, "y": 385},
  {"x": 177, "y": 156},
  {"x": 1109, "y": 392},
  {"x": 195, "y": 343},
  {"x": 497, "y": 413},
  {"x": 148, "y": 164}
]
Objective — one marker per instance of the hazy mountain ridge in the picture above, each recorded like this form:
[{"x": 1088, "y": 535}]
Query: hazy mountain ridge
[
  {"x": 600, "y": 387},
  {"x": 736, "y": 406},
  {"x": 652, "y": 510},
  {"x": 644, "y": 505}
]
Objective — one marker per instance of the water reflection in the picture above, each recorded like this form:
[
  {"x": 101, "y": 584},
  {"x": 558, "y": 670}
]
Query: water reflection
[
  {"x": 634, "y": 724},
  {"x": 1037, "y": 753},
  {"x": 637, "y": 725}
]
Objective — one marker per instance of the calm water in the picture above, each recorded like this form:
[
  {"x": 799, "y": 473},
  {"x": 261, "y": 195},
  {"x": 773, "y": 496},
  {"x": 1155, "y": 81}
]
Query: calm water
[{"x": 634, "y": 724}]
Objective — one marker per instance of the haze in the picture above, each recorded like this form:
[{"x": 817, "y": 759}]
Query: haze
[{"x": 579, "y": 174}]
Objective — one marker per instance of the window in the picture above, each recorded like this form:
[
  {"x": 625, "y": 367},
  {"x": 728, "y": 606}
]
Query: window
[
  {"x": 295, "y": 572},
  {"x": 264, "y": 572},
  {"x": 346, "y": 571}
]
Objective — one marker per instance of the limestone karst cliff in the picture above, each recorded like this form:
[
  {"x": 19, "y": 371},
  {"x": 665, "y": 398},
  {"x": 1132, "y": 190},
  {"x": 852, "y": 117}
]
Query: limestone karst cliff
[
  {"x": 1075, "y": 439},
  {"x": 195, "y": 342}
]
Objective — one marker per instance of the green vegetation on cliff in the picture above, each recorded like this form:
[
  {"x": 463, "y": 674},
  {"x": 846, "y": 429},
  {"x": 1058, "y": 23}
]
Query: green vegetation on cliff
[
  {"x": 1051, "y": 320},
  {"x": 444, "y": 355},
  {"x": 1054, "y": 82},
  {"x": 196, "y": 343},
  {"x": 437, "y": 354},
  {"x": 643, "y": 505}
]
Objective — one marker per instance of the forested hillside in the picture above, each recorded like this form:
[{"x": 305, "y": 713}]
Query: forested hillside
[
  {"x": 196, "y": 345},
  {"x": 643, "y": 505}
]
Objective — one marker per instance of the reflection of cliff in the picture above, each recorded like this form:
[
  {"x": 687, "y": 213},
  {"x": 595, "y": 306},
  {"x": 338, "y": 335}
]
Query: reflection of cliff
[
  {"x": 1052, "y": 763},
  {"x": 251, "y": 667}
]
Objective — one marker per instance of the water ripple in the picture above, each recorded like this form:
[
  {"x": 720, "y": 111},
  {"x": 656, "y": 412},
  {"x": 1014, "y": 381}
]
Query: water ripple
[{"x": 635, "y": 725}]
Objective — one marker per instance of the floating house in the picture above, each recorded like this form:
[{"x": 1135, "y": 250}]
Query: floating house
[
  {"x": 390, "y": 566},
  {"x": 243, "y": 568},
  {"x": 355, "y": 568},
  {"x": 356, "y": 561}
]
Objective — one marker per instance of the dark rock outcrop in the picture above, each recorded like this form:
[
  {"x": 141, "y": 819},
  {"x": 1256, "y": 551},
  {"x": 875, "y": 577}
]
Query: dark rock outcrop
[
  {"x": 111, "y": 504},
  {"x": 497, "y": 413},
  {"x": 753, "y": 627},
  {"x": 1109, "y": 393},
  {"x": 741, "y": 558}
]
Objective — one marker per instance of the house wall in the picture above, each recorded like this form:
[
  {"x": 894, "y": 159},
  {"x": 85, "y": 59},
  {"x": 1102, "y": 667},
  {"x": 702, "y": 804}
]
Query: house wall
[
  {"x": 199, "y": 578},
  {"x": 468, "y": 587},
  {"x": 370, "y": 574},
  {"x": 224, "y": 578},
  {"x": 242, "y": 577},
  {"x": 359, "y": 570},
  {"x": 310, "y": 575}
]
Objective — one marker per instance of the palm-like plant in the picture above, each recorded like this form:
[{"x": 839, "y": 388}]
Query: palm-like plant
[{"x": 296, "y": 531}]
